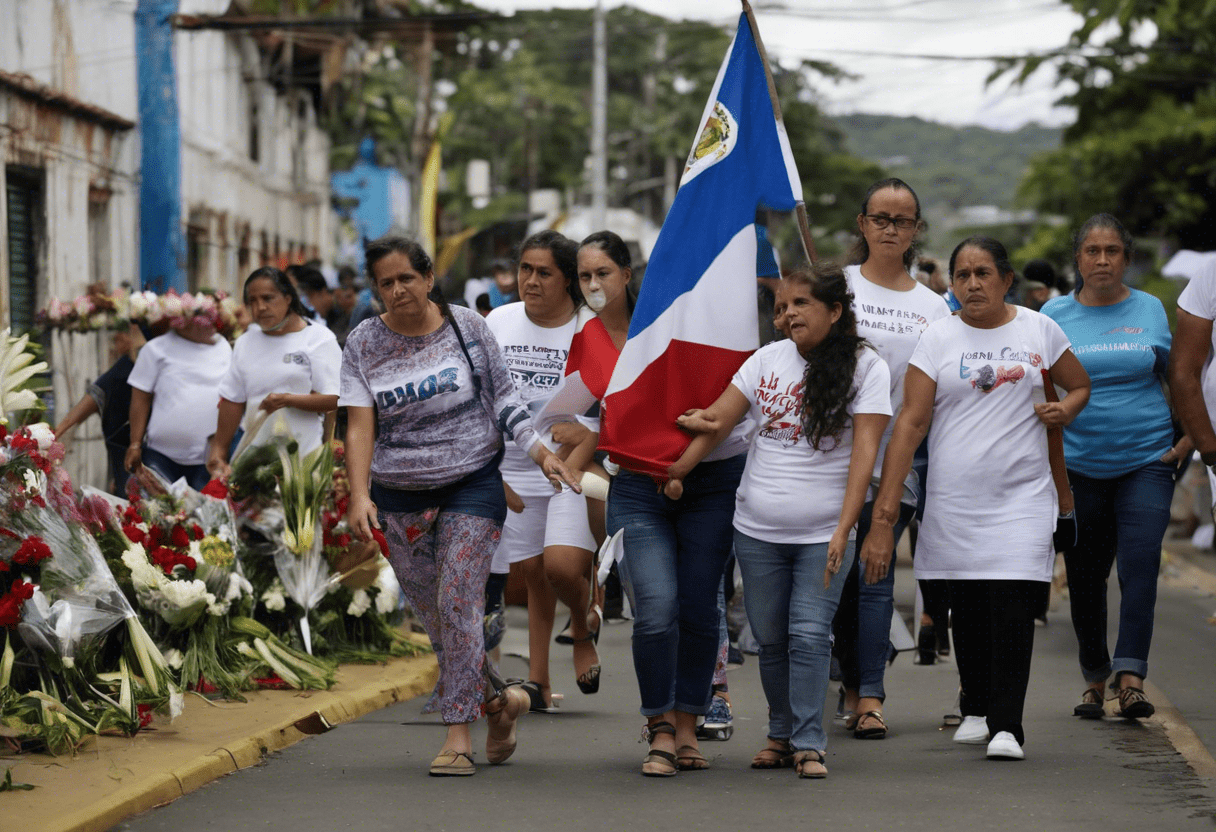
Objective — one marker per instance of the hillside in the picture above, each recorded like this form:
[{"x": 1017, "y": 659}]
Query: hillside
[{"x": 950, "y": 167}]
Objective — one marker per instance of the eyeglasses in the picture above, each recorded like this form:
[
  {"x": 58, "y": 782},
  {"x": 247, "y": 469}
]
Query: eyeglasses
[{"x": 881, "y": 221}]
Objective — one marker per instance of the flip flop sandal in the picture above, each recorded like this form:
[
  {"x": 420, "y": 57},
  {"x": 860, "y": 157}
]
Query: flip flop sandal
[
  {"x": 874, "y": 732},
  {"x": 689, "y": 758}
]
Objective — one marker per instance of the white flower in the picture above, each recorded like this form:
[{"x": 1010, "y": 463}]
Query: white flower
[
  {"x": 175, "y": 658},
  {"x": 42, "y": 434},
  {"x": 143, "y": 574},
  {"x": 237, "y": 586},
  {"x": 217, "y": 608},
  {"x": 185, "y": 594},
  {"x": 360, "y": 603},
  {"x": 274, "y": 598},
  {"x": 390, "y": 591},
  {"x": 171, "y": 306},
  {"x": 195, "y": 550},
  {"x": 137, "y": 305},
  {"x": 33, "y": 482}
]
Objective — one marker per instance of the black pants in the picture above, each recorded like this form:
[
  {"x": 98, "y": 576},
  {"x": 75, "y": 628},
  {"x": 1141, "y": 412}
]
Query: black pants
[{"x": 993, "y": 623}]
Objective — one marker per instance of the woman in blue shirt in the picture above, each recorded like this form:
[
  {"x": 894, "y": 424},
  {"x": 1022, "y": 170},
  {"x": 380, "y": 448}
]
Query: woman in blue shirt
[{"x": 1121, "y": 463}]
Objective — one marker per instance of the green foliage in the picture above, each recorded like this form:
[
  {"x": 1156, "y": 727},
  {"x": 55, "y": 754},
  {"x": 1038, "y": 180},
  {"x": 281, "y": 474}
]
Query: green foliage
[
  {"x": 7, "y": 784},
  {"x": 950, "y": 167},
  {"x": 521, "y": 99},
  {"x": 1144, "y": 143}
]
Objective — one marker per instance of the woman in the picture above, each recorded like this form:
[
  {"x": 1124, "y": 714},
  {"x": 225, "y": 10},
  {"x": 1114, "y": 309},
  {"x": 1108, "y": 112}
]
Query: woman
[
  {"x": 1121, "y": 463},
  {"x": 284, "y": 364},
  {"x": 426, "y": 390},
  {"x": 822, "y": 399},
  {"x": 174, "y": 386},
  {"x": 992, "y": 504},
  {"x": 546, "y": 533},
  {"x": 892, "y": 309}
]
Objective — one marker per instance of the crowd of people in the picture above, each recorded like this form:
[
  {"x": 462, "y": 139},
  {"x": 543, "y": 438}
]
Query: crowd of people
[{"x": 895, "y": 394}]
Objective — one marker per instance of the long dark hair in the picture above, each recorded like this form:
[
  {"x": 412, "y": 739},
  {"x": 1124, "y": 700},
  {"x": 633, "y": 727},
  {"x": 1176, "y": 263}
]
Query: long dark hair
[
  {"x": 1099, "y": 221},
  {"x": 420, "y": 262},
  {"x": 827, "y": 389},
  {"x": 860, "y": 252},
  {"x": 282, "y": 283},
  {"x": 565, "y": 255},
  {"x": 618, "y": 252},
  {"x": 994, "y": 247}
]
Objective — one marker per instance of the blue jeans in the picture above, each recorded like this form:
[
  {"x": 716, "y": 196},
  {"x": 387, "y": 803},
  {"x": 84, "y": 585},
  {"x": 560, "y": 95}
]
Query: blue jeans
[
  {"x": 196, "y": 475},
  {"x": 675, "y": 551},
  {"x": 791, "y": 616},
  {"x": 1120, "y": 520},
  {"x": 863, "y": 623}
]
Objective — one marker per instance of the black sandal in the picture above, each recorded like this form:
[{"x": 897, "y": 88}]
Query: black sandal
[
  {"x": 537, "y": 697},
  {"x": 1091, "y": 705},
  {"x": 589, "y": 682},
  {"x": 876, "y": 733},
  {"x": 658, "y": 763}
]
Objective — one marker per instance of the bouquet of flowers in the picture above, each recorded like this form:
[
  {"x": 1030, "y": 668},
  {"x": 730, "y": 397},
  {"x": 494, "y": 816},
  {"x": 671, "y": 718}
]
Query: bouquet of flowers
[{"x": 64, "y": 603}]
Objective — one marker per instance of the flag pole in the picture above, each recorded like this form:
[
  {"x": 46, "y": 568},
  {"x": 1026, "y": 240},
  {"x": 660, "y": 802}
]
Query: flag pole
[{"x": 804, "y": 225}]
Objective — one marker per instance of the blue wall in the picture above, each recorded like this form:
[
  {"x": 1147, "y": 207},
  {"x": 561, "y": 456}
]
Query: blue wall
[{"x": 162, "y": 250}]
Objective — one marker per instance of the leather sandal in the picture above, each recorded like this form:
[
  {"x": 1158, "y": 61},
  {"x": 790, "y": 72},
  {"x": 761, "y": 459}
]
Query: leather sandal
[
  {"x": 872, "y": 732},
  {"x": 769, "y": 757},
  {"x": 589, "y": 682},
  {"x": 502, "y": 714},
  {"x": 452, "y": 764},
  {"x": 690, "y": 758},
  {"x": 536, "y": 697},
  {"x": 809, "y": 765},
  {"x": 658, "y": 763}
]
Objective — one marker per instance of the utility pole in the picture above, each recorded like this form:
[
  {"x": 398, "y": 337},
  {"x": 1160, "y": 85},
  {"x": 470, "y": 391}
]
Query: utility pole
[{"x": 599, "y": 123}]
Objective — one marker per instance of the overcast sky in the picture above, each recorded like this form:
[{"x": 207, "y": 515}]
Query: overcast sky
[{"x": 864, "y": 36}]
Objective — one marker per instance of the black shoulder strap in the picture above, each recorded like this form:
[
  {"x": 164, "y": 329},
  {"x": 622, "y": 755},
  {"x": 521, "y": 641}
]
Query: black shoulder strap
[{"x": 464, "y": 348}]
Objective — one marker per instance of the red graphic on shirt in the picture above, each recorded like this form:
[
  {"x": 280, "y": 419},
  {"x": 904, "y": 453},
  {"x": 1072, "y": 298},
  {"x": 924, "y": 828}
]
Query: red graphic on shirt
[
  {"x": 780, "y": 411},
  {"x": 987, "y": 379}
]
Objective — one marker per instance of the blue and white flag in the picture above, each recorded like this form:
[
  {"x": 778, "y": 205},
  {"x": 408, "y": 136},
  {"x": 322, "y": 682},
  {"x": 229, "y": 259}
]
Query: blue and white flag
[{"x": 695, "y": 321}]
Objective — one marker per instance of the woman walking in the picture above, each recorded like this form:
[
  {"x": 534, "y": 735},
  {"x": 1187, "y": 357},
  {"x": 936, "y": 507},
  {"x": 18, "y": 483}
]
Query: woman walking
[
  {"x": 822, "y": 399},
  {"x": 1121, "y": 463},
  {"x": 547, "y": 533},
  {"x": 284, "y": 363},
  {"x": 429, "y": 400},
  {"x": 992, "y": 505},
  {"x": 892, "y": 310}
]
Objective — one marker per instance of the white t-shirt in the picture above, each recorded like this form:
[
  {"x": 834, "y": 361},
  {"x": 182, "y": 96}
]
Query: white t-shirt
[
  {"x": 1199, "y": 298},
  {"x": 991, "y": 506},
  {"x": 536, "y": 357},
  {"x": 790, "y": 492},
  {"x": 184, "y": 379},
  {"x": 308, "y": 361},
  {"x": 893, "y": 322}
]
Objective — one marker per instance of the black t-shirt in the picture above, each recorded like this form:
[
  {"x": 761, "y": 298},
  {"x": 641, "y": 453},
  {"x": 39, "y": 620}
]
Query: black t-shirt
[{"x": 113, "y": 397}]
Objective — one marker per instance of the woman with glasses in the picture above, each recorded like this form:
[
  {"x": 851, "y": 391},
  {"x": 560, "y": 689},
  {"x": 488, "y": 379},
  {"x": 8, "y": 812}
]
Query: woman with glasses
[{"x": 892, "y": 310}]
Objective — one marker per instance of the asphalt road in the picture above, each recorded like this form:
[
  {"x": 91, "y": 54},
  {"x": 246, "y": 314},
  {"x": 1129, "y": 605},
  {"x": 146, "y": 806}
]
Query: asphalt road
[{"x": 579, "y": 770}]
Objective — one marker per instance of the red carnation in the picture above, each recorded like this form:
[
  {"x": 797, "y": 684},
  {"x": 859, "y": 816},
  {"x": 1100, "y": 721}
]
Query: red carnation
[
  {"x": 378, "y": 536},
  {"x": 179, "y": 537},
  {"x": 31, "y": 552},
  {"x": 217, "y": 489},
  {"x": 197, "y": 531},
  {"x": 134, "y": 533},
  {"x": 4, "y": 567},
  {"x": 156, "y": 536},
  {"x": 10, "y": 603}
]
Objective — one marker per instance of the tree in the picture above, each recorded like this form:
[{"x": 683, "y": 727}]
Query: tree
[{"x": 1143, "y": 146}]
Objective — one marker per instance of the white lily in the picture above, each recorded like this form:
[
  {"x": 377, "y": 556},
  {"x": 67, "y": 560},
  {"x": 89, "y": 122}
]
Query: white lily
[{"x": 16, "y": 369}]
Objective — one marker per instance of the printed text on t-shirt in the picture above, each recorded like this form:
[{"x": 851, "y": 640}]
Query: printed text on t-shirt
[{"x": 442, "y": 382}]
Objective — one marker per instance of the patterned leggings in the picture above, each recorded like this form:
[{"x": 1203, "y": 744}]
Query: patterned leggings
[{"x": 442, "y": 562}]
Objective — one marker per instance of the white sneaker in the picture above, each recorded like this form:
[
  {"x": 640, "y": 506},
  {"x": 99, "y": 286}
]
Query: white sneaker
[
  {"x": 972, "y": 731},
  {"x": 1005, "y": 747}
]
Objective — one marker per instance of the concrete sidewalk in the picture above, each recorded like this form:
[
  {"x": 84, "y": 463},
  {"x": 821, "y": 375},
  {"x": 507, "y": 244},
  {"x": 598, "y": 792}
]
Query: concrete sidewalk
[{"x": 113, "y": 778}]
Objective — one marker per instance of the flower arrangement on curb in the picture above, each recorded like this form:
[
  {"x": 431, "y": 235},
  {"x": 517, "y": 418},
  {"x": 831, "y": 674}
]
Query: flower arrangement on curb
[{"x": 100, "y": 309}]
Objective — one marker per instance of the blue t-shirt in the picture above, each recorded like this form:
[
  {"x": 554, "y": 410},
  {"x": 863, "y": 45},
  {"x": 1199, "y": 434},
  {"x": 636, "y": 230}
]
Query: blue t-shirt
[{"x": 1125, "y": 348}]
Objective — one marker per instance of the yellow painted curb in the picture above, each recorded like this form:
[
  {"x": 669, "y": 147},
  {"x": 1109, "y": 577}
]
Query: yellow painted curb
[
  {"x": 1181, "y": 735},
  {"x": 116, "y": 777}
]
